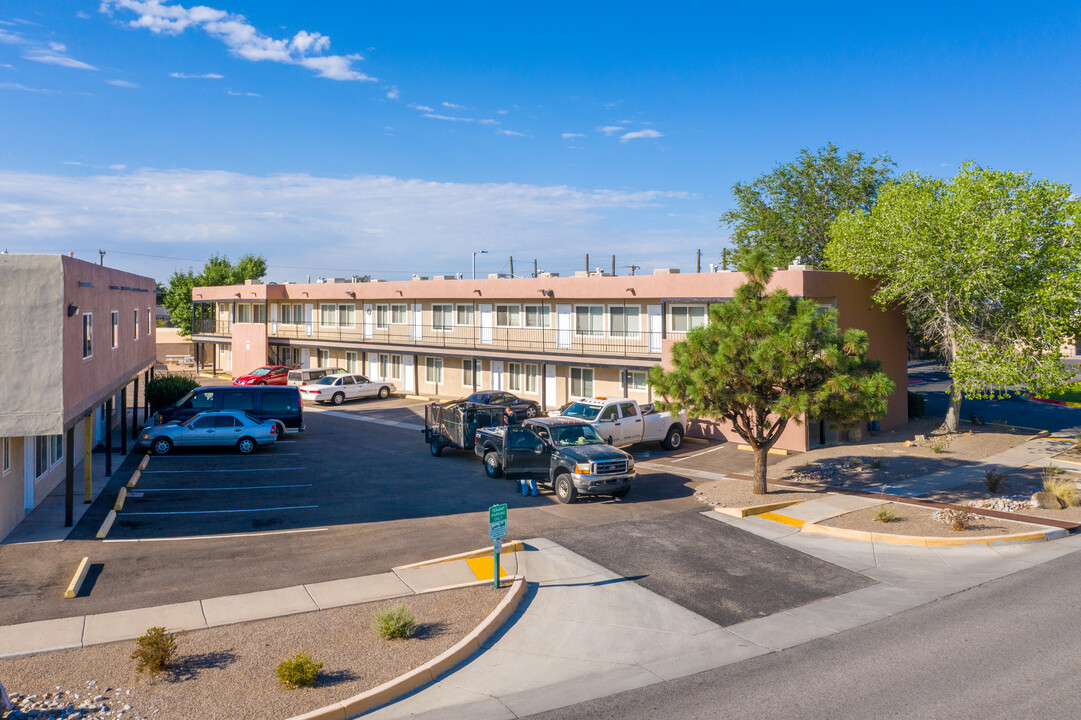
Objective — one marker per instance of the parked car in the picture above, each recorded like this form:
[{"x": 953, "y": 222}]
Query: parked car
[
  {"x": 621, "y": 421},
  {"x": 269, "y": 375},
  {"x": 265, "y": 402},
  {"x": 339, "y": 388},
  {"x": 568, "y": 454},
  {"x": 216, "y": 428},
  {"x": 517, "y": 408},
  {"x": 298, "y": 377}
]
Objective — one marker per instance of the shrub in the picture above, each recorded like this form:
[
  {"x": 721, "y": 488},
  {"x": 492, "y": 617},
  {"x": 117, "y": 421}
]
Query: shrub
[
  {"x": 1064, "y": 488},
  {"x": 884, "y": 514},
  {"x": 957, "y": 519},
  {"x": 916, "y": 405},
  {"x": 396, "y": 623},
  {"x": 937, "y": 446},
  {"x": 300, "y": 671},
  {"x": 876, "y": 462},
  {"x": 154, "y": 651},
  {"x": 994, "y": 480},
  {"x": 167, "y": 389}
]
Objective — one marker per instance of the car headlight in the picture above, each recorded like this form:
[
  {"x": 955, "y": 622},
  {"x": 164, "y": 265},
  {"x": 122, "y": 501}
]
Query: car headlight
[
  {"x": 146, "y": 436},
  {"x": 582, "y": 468},
  {"x": 630, "y": 464}
]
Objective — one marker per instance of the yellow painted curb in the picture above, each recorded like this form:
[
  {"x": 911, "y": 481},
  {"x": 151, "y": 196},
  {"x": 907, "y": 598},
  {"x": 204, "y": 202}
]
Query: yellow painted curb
[
  {"x": 771, "y": 451},
  {"x": 432, "y": 670},
  {"x": 755, "y": 509},
  {"x": 134, "y": 478},
  {"x": 508, "y": 547},
  {"x": 484, "y": 568},
  {"x": 120, "y": 498},
  {"x": 107, "y": 525},
  {"x": 145, "y": 461},
  {"x": 1041, "y": 434},
  {"x": 77, "y": 581},
  {"x": 784, "y": 519},
  {"x": 918, "y": 541}
]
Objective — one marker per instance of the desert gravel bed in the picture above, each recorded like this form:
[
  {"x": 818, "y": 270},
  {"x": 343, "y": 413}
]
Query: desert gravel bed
[
  {"x": 915, "y": 520},
  {"x": 736, "y": 493},
  {"x": 227, "y": 673}
]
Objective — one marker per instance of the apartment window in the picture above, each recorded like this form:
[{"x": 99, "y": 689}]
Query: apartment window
[
  {"x": 538, "y": 316},
  {"x": 115, "y": 318},
  {"x": 328, "y": 315},
  {"x": 347, "y": 315},
  {"x": 136, "y": 323},
  {"x": 508, "y": 315},
  {"x": 442, "y": 318},
  {"x": 582, "y": 382},
  {"x": 5, "y": 449},
  {"x": 149, "y": 323},
  {"x": 352, "y": 362},
  {"x": 636, "y": 380},
  {"x": 514, "y": 377},
  {"x": 399, "y": 314},
  {"x": 433, "y": 370},
  {"x": 687, "y": 317},
  {"x": 48, "y": 450},
  {"x": 464, "y": 315},
  {"x": 323, "y": 358},
  {"x": 243, "y": 313},
  {"x": 258, "y": 314},
  {"x": 532, "y": 373},
  {"x": 390, "y": 367},
  {"x": 589, "y": 320},
  {"x": 382, "y": 316},
  {"x": 467, "y": 372},
  {"x": 287, "y": 314},
  {"x": 625, "y": 320},
  {"x": 88, "y": 335}
]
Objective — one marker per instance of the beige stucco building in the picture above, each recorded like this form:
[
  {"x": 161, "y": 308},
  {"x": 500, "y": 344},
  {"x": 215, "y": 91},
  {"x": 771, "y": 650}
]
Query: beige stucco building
[
  {"x": 546, "y": 338},
  {"x": 74, "y": 335}
]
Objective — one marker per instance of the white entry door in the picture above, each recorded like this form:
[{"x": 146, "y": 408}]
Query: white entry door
[
  {"x": 486, "y": 324},
  {"x": 418, "y": 319},
  {"x": 367, "y": 319},
  {"x": 550, "y": 399},
  {"x": 274, "y": 319},
  {"x": 497, "y": 375},
  {"x": 563, "y": 327},
  {"x": 654, "y": 328},
  {"x": 407, "y": 373},
  {"x": 309, "y": 310}
]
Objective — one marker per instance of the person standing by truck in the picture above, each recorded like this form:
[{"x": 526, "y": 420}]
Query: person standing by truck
[{"x": 529, "y": 487}]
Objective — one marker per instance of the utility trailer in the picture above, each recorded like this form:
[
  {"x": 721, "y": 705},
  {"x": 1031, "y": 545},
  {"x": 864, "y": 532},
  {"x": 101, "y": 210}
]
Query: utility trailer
[{"x": 454, "y": 424}]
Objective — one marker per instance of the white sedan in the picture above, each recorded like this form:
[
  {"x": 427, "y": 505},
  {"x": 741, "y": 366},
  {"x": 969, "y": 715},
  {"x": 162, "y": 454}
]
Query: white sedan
[{"x": 339, "y": 388}]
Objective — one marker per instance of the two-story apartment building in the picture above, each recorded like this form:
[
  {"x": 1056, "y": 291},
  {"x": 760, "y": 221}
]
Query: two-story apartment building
[
  {"x": 546, "y": 338},
  {"x": 72, "y": 336}
]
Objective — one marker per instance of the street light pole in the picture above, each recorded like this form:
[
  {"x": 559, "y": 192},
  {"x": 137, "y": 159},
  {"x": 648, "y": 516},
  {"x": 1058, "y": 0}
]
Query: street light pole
[{"x": 475, "y": 253}]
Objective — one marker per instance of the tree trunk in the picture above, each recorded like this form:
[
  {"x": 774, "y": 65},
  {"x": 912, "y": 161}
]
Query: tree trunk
[
  {"x": 953, "y": 412},
  {"x": 760, "y": 455}
]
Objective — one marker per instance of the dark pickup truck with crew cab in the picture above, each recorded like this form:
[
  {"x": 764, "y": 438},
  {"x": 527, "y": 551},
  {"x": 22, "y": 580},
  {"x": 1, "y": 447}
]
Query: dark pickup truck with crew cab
[{"x": 566, "y": 453}]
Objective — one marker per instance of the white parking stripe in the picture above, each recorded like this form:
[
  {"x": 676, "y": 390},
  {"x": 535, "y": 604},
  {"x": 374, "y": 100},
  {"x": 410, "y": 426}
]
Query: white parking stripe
[
  {"x": 221, "y": 455},
  {"x": 219, "y": 537},
  {"x": 164, "y": 472},
  {"x": 253, "y": 487},
  {"x": 377, "y": 421},
  {"x": 222, "y": 512},
  {"x": 688, "y": 457}
]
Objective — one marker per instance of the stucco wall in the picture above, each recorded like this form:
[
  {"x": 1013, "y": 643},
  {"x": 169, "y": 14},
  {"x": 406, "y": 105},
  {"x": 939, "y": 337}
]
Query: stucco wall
[
  {"x": 11, "y": 490},
  {"x": 249, "y": 347},
  {"x": 168, "y": 341}
]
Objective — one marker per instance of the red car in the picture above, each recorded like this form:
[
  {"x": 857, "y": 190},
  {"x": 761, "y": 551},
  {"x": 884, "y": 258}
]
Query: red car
[{"x": 269, "y": 375}]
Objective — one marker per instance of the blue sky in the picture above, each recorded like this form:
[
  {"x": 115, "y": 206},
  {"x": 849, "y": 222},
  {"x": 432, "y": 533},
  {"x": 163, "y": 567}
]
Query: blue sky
[{"x": 392, "y": 138}]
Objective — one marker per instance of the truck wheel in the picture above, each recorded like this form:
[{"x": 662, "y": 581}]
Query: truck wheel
[
  {"x": 565, "y": 490},
  {"x": 337, "y": 399},
  {"x": 621, "y": 493},
  {"x": 491, "y": 465},
  {"x": 673, "y": 439},
  {"x": 437, "y": 447}
]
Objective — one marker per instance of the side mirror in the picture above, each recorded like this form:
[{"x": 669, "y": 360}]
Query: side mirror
[{"x": 609, "y": 440}]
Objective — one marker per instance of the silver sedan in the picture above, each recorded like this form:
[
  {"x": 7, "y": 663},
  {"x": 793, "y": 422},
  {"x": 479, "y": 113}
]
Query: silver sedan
[{"x": 221, "y": 428}]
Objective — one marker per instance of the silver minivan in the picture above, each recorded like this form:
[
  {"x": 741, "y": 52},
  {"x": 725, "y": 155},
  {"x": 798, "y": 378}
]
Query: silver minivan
[{"x": 306, "y": 376}]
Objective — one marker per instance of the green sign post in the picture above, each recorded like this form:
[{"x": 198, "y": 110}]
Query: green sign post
[{"x": 497, "y": 530}]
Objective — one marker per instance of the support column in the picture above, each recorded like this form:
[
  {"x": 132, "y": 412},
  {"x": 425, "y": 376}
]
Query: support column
[
  {"x": 544, "y": 387},
  {"x": 69, "y": 477},
  {"x": 214, "y": 352},
  {"x": 135, "y": 410},
  {"x": 147, "y": 376},
  {"x": 109, "y": 437},
  {"x": 124, "y": 420},
  {"x": 88, "y": 466}
]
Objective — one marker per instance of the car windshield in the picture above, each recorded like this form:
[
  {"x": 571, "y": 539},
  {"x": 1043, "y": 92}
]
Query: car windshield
[
  {"x": 328, "y": 380},
  {"x": 581, "y": 410},
  {"x": 261, "y": 371},
  {"x": 576, "y": 435}
]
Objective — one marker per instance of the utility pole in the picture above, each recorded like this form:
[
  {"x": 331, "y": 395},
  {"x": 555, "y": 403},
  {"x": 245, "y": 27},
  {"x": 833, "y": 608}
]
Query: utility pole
[
  {"x": 101, "y": 257},
  {"x": 512, "y": 266},
  {"x": 534, "y": 267},
  {"x": 587, "y": 263},
  {"x": 613, "y": 266},
  {"x": 699, "y": 265},
  {"x": 633, "y": 268}
]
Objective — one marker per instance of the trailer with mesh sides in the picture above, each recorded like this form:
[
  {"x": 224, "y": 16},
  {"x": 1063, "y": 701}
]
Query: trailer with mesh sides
[{"x": 454, "y": 424}]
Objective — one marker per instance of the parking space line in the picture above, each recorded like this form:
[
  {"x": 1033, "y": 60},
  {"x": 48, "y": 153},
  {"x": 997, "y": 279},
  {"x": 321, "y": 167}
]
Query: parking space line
[
  {"x": 204, "y": 489},
  {"x": 221, "y": 455},
  {"x": 173, "y": 472},
  {"x": 219, "y": 537},
  {"x": 221, "y": 512},
  {"x": 377, "y": 421},
  {"x": 688, "y": 457}
]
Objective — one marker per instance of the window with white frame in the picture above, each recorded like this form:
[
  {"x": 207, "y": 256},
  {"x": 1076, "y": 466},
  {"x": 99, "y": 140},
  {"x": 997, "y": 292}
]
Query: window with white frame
[
  {"x": 347, "y": 315},
  {"x": 149, "y": 323},
  {"x": 636, "y": 380},
  {"x": 433, "y": 370},
  {"x": 538, "y": 316},
  {"x": 589, "y": 320},
  {"x": 323, "y": 358},
  {"x": 135, "y": 325},
  {"x": 352, "y": 362},
  {"x": 508, "y": 316},
  {"x": 5, "y": 450},
  {"x": 442, "y": 318},
  {"x": 514, "y": 377},
  {"x": 467, "y": 372},
  {"x": 243, "y": 312},
  {"x": 625, "y": 321},
  {"x": 532, "y": 372},
  {"x": 464, "y": 315},
  {"x": 399, "y": 314},
  {"x": 328, "y": 315},
  {"x": 88, "y": 335},
  {"x": 115, "y": 319},
  {"x": 382, "y": 316},
  {"x": 581, "y": 382},
  {"x": 258, "y": 313},
  {"x": 688, "y": 317},
  {"x": 48, "y": 450},
  {"x": 390, "y": 367}
]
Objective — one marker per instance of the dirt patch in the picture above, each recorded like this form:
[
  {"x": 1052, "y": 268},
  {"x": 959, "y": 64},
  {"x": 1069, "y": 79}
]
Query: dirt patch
[
  {"x": 228, "y": 672},
  {"x": 735, "y": 493},
  {"x": 915, "y": 520}
]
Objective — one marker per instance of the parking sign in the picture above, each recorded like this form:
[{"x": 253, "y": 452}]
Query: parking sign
[{"x": 497, "y": 521}]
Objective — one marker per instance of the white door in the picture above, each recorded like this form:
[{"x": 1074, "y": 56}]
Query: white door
[
  {"x": 407, "y": 372},
  {"x": 305, "y": 358},
  {"x": 274, "y": 319},
  {"x": 608, "y": 424},
  {"x": 309, "y": 309},
  {"x": 373, "y": 366},
  {"x": 479, "y": 374},
  {"x": 418, "y": 319},
  {"x": 563, "y": 327},
  {"x": 550, "y": 399},
  {"x": 367, "y": 320},
  {"x": 486, "y": 324},
  {"x": 497, "y": 375},
  {"x": 654, "y": 328}
]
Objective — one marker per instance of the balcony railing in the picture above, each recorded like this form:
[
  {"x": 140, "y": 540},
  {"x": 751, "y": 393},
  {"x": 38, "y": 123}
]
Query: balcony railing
[{"x": 211, "y": 326}]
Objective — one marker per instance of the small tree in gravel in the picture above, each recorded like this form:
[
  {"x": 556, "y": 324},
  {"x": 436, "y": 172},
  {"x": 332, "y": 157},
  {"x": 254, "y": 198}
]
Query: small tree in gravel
[
  {"x": 300, "y": 671},
  {"x": 396, "y": 623},
  {"x": 766, "y": 359},
  {"x": 154, "y": 651}
]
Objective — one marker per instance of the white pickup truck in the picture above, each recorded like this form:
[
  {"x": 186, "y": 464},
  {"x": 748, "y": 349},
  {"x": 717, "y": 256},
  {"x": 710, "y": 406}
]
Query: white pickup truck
[{"x": 623, "y": 421}]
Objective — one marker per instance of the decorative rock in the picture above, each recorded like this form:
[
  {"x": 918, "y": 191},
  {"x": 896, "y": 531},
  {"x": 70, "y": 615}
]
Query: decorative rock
[{"x": 1046, "y": 501}]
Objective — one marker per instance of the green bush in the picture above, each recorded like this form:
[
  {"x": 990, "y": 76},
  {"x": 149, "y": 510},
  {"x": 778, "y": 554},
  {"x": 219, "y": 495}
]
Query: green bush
[
  {"x": 301, "y": 671},
  {"x": 884, "y": 514},
  {"x": 167, "y": 389},
  {"x": 1062, "y": 487},
  {"x": 154, "y": 651},
  {"x": 916, "y": 404},
  {"x": 994, "y": 480},
  {"x": 396, "y": 623}
]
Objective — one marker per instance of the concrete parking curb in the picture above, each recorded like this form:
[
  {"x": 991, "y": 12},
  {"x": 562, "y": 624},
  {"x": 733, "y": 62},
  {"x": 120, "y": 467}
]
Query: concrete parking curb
[
  {"x": 106, "y": 525},
  {"x": 919, "y": 541},
  {"x": 508, "y": 547},
  {"x": 134, "y": 478},
  {"x": 121, "y": 496},
  {"x": 77, "y": 581},
  {"x": 430, "y": 671}
]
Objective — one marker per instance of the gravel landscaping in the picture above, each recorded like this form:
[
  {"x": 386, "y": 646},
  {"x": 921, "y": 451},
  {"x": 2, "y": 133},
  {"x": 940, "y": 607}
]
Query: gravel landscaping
[
  {"x": 228, "y": 672},
  {"x": 735, "y": 493},
  {"x": 915, "y": 520}
]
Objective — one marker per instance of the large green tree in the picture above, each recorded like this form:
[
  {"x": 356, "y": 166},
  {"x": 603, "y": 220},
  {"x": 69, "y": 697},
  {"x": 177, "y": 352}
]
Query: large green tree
[
  {"x": 987, "y": 265},
  {"x": 787, "y": 212},
  {"x": 767, "y": 359},
  {"x": 218, "y": 270}
]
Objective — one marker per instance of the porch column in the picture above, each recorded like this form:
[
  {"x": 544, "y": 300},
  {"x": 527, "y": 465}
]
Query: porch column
[
  {"x": 88, "y": 468},
  {"x": 69, "y": 477},
  {"x": 124, "y": 420},
  {"x": 109, "y": 437}
]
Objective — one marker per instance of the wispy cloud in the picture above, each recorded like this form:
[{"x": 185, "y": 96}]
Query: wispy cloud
[
  {"x": 638, "y": 134},
  {"x": 50, "y": 53},
  {"x": 118, "y": 167},
  {"x": 611, "y": 129},
  {"x": 510, "y": 132},
  {"x": 5, "y": 65},
  {"x": 422, "y": 108},
  {"x": 24, "y": 88},
  {"x": 203, "y": 76},
  {"x": 450, "y": 118},
  {"x": 568, "y": 136},
  {"x": 452, "y": 106},
  {"x": 393, "y": 94},
  {"x": 244, "y": 40},
  {"x": 243, "y": 94},
  {"x": 122, "y": 83}
]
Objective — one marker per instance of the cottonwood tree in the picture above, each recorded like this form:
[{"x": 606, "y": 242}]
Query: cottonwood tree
[
  {"x": 987, "y": 265},
  {"x": 766, "y": 359},
  {"x": 788, "y": 211},
  {"x": 217, "y": 271}
]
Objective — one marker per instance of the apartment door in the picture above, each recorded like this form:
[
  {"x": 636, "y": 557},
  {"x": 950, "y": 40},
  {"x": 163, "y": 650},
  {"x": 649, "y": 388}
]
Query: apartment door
[
  {"x": 274, "y": 319},
  {"x": 417, "y": 329},
  {"x": 497, "y": 375},
  {"x": 367, "y": 319},
  {"x": 550, "y": 399},
  {"x": 309, "y": 310},
  {"x": 563, "y": 327},
  {"x": 305, "y": 358},
  {"x": 486, "y": 324},
  {"x": 407, "y": 373},
  {"x": 654, "y": 328}
]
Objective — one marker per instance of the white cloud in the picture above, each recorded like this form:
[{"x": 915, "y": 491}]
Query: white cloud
[
  {"x": 451, "y": 118},
  {"x": 50, "y": 53},
  {"x": 122, "y": 83},
  {"x": 204, "y": 76},
  {"x": 502, "y": 112},
  {"x": 82, "y": 15},
  {"x": 304, "y": 49},
  {"x": 511, "y": 132},
  {"x": 24, "y": 88},
  {"x": 117, "y": 167},
  {"x": 422, "y": 108},
  {"x": 639, "y": 134},
  {"x": 393, "y": 94},
  {"x": 5, "y": 65},
  {"x": 452, "y": 106},
  {"x": 568, "y": 136},
  {"x": 488, "y": 121},
  {"x": 610, "y": 129},
  {"x": 243, "y": 94}
]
